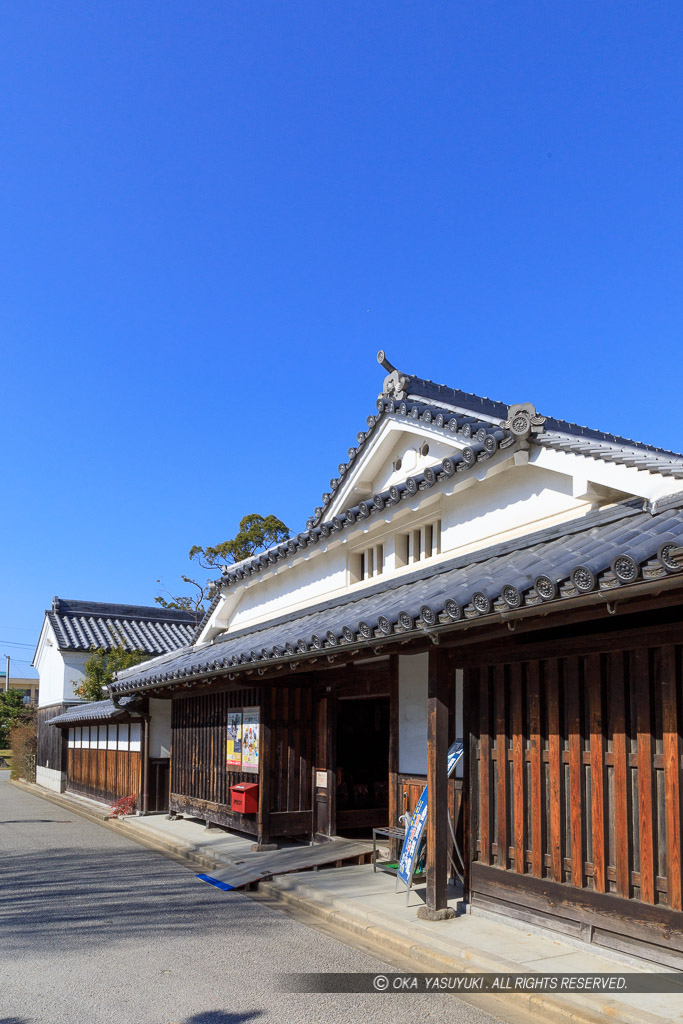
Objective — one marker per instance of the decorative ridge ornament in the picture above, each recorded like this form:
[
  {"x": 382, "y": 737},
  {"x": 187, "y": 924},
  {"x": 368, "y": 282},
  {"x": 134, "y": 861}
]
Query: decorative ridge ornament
[
  {"x": 395, "y": 383},
  {"x": 522, "y": 422}
]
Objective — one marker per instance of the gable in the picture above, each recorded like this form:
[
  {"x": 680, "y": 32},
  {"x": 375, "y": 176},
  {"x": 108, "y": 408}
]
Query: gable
[
  {"x": 396, "y": 451},
  {"x": 438, "y": 463}
]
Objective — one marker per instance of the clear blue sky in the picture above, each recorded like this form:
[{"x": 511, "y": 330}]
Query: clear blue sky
[{"x": 214, "y": 214}]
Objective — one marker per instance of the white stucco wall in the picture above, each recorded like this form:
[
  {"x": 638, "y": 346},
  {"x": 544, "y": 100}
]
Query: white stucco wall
[
  {"x": 59, "y": 671},
  {"x": 518, "y": 500},
  {"x": 160, "y": 728},
  {"x": 481, "y": 510},
  {"x": 412, "y": 714}
]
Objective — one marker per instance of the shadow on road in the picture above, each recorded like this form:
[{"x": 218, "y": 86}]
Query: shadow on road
[
  {"x": 105, "y": 896},
  {"x": 218, "y": 1017}
]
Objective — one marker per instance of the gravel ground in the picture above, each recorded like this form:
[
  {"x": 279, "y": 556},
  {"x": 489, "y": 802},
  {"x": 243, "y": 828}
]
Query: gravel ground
[{"x": 96, "y": 929}]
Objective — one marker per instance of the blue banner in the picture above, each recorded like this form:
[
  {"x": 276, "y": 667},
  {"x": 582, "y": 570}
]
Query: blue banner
[{"x": 413, "y": 839}]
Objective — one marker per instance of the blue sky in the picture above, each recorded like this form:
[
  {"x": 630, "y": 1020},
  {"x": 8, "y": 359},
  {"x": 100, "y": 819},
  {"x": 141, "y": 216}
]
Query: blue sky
[{"x": 213, "y": 215}]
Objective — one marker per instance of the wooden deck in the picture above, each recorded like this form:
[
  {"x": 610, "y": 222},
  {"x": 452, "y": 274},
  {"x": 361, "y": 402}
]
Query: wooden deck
[{"x": 254, "y": 867}]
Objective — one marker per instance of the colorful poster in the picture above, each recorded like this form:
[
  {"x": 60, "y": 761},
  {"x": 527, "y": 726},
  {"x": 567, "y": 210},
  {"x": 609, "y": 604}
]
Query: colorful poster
[
  {"x": 233, "y": 757},
  {"x": 413, "y": 839},
  {"x": 250, "y": 739}
]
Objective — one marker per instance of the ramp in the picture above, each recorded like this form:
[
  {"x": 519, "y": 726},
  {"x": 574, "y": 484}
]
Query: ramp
[{"x": 254, "y": 867}]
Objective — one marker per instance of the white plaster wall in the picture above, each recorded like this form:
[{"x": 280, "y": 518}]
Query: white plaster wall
[
  {"x": 51, "y": 671},
  {"x": 160, "y": 728},
  {"x": 49, "y": 778},
  {"x": 412, "y": 714},
  {"x": 59, "y": 674},
  {"x": 315, "y": 579},
  {"x": 516, "y": 501}
]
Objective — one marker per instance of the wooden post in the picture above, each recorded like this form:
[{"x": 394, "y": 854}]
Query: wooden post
[
  {"x": 393, "y": 749},
  {"x": 439, "y": 680},
  {"x": 144, "y": 798},
  {"x": 264, "y": 769}
]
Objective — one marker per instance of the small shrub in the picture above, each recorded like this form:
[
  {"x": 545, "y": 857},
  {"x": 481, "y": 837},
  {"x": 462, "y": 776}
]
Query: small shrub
[
  {"x": 124, "y": 805},
  {"x": 23, "y": 740}
]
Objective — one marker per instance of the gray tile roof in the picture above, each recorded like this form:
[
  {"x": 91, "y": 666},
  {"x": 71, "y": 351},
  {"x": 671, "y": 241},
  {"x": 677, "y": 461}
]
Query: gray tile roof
[
  {"x": 97, "y": 711},
  {"x": 603, "y": 550},
  {"x": 84, "y": 625},
  {"x": 626, "y": 453},
  {"x": 468, "y": 419}
]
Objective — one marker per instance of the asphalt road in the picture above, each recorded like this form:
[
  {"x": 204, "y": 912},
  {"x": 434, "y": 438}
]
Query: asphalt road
[{"x": 98, "y": 930}]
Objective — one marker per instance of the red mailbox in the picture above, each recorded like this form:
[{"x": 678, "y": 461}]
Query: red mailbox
[{"x": 245, "y": 797}]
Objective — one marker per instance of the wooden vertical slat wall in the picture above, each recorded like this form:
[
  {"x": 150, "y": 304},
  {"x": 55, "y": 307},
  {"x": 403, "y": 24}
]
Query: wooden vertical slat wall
[
  {"x": 199, "y": 743},
  {"x": 100, "y": 773},
  {"x": 586, "y": 750}
]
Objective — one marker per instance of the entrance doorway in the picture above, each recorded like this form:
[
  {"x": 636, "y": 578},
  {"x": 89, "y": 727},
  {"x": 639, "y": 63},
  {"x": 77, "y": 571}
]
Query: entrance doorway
[{"x": 362, "y": 790}]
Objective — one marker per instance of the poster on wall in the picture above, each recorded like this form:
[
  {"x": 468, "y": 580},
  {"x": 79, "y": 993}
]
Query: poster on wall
[
  {"x": 250, "y": 739},
  {"x": 233, "y": 757}
]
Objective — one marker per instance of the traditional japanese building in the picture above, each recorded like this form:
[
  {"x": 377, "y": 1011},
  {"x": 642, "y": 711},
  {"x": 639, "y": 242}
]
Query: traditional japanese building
[
  {"x": 475, "y": 570},
  {"x": 97, "y": 749}
]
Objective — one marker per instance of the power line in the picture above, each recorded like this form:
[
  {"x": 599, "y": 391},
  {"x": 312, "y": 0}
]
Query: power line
[{"x": 15, "y": 643}]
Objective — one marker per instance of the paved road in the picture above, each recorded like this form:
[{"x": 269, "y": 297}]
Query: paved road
[{"x": 96, "y": 929}]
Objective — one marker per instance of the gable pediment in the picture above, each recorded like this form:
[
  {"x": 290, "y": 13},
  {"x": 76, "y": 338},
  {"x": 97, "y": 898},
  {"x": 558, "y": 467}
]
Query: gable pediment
[{"x": 398, "y": 450}]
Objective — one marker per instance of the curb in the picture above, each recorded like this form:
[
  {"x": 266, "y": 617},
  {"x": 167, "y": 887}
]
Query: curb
[{"x": 471, "y": 961}]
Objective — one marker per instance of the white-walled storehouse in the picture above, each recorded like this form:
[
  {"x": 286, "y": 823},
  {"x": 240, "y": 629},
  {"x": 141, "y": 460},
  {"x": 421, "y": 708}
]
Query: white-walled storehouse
[
  {"x": 475, "y": 571},
  {"x": 71, "y": 632}
]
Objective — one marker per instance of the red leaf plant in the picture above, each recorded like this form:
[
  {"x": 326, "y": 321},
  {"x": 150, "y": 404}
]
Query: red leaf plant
[{"x": 124, "y": 805}]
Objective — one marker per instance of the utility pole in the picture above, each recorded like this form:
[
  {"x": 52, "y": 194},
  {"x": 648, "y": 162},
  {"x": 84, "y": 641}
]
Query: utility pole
[{"x": 7, "y": 674}]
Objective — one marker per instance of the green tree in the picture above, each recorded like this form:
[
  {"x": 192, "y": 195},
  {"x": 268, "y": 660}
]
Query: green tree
[
  {"x": 256, "y": 533},
  {"x": 13, "y": 712},
  {"x": 100, "y": 668}
]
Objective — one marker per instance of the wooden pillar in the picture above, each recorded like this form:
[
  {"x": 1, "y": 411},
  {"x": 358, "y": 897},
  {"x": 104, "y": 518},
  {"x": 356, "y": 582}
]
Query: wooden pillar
[
  {"x": 393, "y": 749},
  {"x": 264, "y": 769},
  {"x": 144, "y": 799},
  {"x": 325, "y": 796},
  {"x": 470, "y": 787},
  {"x": 440, "y": 679}
]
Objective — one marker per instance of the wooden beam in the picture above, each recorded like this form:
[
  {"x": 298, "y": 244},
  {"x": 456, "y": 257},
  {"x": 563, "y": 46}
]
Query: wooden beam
[
  {"x": 264, "y": 770},
  {"x": 393, "y": 749},
  {"x": 144, "y": 801},
  {"x": 620, "y": 751},
  {"x": 482, "y": 676},
  {"x": 518, "y": 808},
  {"x": 640, "y": 675},
  {"x": 502, "y": 838},
  {"x": 469, "y": 808},
  {"x": 439, "y": 683},
  {"x": 666, "y": 679},
  {"x": 536, "y": 743},
  {"x": 575, "y": 770},
  {"x": 597, "y": 752},
  {"x": 552, "y": 689}
]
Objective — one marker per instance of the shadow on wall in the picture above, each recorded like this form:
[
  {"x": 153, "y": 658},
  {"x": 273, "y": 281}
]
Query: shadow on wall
[{"x": 215, "y": 1017}]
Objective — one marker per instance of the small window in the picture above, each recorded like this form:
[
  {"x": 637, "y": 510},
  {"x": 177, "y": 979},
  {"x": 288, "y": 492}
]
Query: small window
[
  {"x": 417, "y": 544},
  {"x": 367, "y": 564}
]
